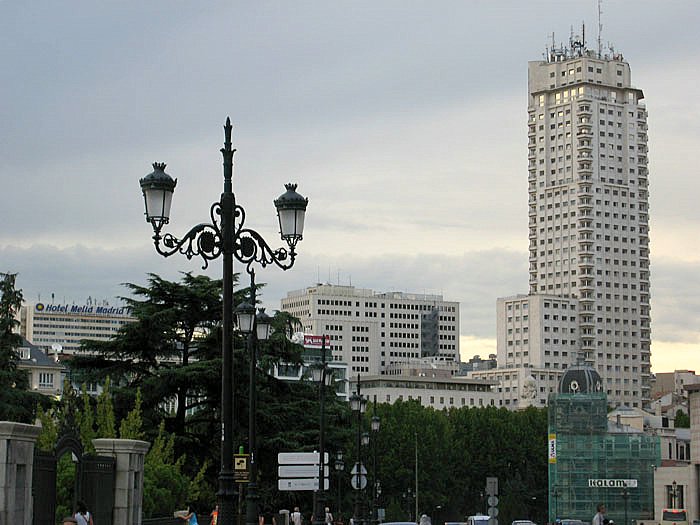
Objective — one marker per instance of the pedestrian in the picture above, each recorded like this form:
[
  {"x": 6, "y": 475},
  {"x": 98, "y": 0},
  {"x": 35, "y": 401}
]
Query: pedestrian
[
  {"x": 599, "y": 518},
  {"x": 267, "y": 517},
  {"x": 214, "y": 516},
  {"x": 83, "y": 515},
  {"x": 296, "y": 516},
  {"x": 69, "y": 520},
  {"x": 189, "y": 516},
  {"x": 329, "y": 517},
  {"x": 424, "y": 520}
]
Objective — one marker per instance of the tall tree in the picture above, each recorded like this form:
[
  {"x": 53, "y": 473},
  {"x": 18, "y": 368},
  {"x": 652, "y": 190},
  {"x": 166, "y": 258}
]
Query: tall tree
[{"x": 16, "y": 402}]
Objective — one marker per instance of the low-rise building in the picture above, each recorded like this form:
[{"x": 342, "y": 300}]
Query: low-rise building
[{"x": 437, "y": 391}]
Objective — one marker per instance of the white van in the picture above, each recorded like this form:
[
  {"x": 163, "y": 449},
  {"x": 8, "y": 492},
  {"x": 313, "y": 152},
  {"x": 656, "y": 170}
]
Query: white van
[{"x": 479, "y": 519}]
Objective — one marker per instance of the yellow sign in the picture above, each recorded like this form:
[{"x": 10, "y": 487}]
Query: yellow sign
[{"x": 241, "y": 468}]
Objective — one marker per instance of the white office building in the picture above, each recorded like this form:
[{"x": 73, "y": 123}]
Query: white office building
[
  {"x": 59, "y": 328},
  {"x": 588, "y": 220},
  {"x": 372, "y": 330}
]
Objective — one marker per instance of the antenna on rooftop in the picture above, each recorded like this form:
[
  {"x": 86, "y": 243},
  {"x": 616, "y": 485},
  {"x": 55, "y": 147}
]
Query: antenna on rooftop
[{"x": 600, "y": 28}]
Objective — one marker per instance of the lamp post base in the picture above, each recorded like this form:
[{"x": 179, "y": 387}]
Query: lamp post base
[{"x": 225, "y": 498}]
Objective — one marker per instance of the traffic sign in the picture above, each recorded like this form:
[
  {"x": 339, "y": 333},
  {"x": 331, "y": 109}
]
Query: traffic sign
[
  {"x": 493, "y": 501},
  {"x": 241, "y": 468},
  {"x": 300, "y": 458},
  {"x": 493, "y": 512},
  {"x": 363, "y": 470},
  {"x": 492, "y": 486},
  {"x": 301, "y": 471},
  {"x": 300, "y": 484},
  {"x": 358, "y": 482}
]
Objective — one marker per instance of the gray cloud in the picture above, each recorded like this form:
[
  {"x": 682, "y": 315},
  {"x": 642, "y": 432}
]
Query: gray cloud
[{"x": 403, "y": 124}]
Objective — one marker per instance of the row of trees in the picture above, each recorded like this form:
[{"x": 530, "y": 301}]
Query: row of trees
[{"x": 170, "y": 356}]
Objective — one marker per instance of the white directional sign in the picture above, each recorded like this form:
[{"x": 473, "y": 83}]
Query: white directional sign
[
  {"x": 300, "y": 458},
  {"x": 300, "y": 484},
  {"x": 301, "y": 471}
]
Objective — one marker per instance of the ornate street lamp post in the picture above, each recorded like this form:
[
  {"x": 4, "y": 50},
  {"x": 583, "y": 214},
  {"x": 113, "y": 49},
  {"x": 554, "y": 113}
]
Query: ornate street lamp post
[
  {"x": 374, "y": 425},
  {"x": 358, "y": 404},
  {"x": 321, "y": 374},
  {"x": 339, "y": 467},
  {"x": 226, "y": 236}
]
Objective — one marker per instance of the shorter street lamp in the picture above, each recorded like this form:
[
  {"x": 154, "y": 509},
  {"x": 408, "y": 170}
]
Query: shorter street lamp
[
  {"x": 374, "y": 425},
  {"x": 258, "y": 328},
  {"x": 339, "y": 467},
  {"x": 358, "y": 404},
  {"x": 321, "y": 374},
  {"x": 674, "y": 493}
]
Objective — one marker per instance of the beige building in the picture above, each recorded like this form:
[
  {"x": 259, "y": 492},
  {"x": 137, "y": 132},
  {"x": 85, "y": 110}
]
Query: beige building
[
  {"x": 436, "y": 391},
  {"x": 371, "y": 330},
  {"x": 588, "y": 217}
]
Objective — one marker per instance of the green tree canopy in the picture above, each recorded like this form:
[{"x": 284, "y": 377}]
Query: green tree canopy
[{"x": 17, "y": 403}]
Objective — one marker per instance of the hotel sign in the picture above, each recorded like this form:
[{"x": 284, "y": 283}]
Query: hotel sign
[{"x": 85, "y": 309}]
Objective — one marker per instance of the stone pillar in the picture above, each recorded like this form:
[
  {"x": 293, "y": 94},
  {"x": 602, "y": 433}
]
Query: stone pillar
[
  {"x": 16, "y": 463},
  {"x": 128, "y": 485}
]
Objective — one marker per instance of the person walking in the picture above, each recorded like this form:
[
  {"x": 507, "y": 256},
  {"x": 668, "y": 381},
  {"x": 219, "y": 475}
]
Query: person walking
[
  {"x": 190, "y": 516},
  {"x": 296, "y": 516},
  {"x": 329, "y": 517},
  {"x": 267, "y": 517},
  {"x": 214, "y": 516},
  {"x": 83, "y": 515},
  {"x": 599, "y": 518}
]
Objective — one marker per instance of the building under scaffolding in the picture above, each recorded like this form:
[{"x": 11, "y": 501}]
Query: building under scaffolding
[{"x": 593, "y": 460}]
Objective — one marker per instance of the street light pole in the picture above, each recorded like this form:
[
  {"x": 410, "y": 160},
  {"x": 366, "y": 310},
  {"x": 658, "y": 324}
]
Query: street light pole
[
  {"x": 339, "y": 467},
  {"x": 375, "y": 424},
  {"x": 358, "y": 404},
  {"x": 321, "y": 374},
  {"x": 224, "y": 237}
]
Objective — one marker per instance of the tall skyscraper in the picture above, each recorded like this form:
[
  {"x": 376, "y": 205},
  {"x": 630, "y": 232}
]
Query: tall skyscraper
[{"x": 588, "y": 223}]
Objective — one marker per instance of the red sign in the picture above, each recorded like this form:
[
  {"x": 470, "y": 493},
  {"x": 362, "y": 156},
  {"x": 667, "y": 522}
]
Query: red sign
[{"x": 316, "y": 341}]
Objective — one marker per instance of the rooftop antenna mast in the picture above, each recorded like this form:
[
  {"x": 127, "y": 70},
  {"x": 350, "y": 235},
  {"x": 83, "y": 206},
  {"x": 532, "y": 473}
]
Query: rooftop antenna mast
[{"x": 600, "y": 28}]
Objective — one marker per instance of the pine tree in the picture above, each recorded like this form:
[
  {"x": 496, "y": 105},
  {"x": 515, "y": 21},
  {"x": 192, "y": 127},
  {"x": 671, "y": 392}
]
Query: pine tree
[
  {"x": 105, "y": 413},
  {"x": 131, "y": 425},
  {"x": 16, "y": 402}
]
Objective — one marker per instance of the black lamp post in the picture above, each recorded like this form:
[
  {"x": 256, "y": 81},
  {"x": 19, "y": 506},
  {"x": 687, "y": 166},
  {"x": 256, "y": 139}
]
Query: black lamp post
[
  {"x": 625, "y": 497},
  {"x": 674, "y": 494},
  {"x": 339, "y": 467},
  {"x": 225, "y": 236},
  {"x": 555, "y": 493},
  {"x": 374, "y": 426},
  {"x": 365, "y": 503},
  {"x": 358, "y": 404},
  {"x": 321, "y": 374}
]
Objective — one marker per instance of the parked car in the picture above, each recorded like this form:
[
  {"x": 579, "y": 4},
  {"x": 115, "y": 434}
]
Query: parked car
[
  {"x": 523, "y": 522},
  {"x": 567, "y": 521}
]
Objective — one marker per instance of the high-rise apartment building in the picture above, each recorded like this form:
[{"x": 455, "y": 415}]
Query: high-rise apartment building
[
  {"x": 370, "y": 330},
  {"x": 588, "y": 218}
]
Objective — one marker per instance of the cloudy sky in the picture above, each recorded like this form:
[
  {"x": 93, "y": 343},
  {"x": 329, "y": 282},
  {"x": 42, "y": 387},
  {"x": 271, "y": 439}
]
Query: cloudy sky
[{"x": 403, "y": 122}]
